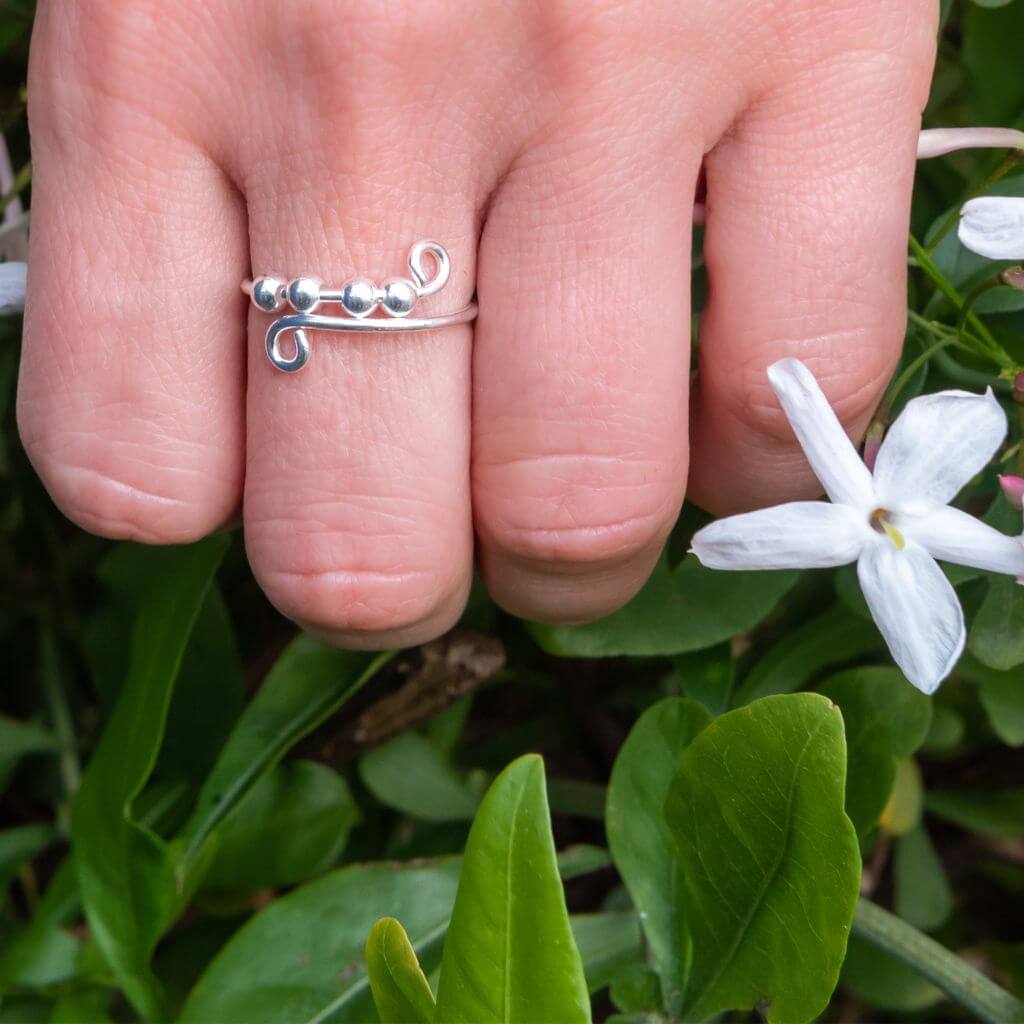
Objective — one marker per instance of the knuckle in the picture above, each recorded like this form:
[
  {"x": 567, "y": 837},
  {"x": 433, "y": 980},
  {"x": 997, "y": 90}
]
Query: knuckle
[
  {"x": 115, "y": 489},
  {"x": 334, "y": 580},
  {"x": 590, "y": 523}
]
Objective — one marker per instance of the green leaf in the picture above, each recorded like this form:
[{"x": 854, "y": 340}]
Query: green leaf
[
  {"x": 884, "y": 982},
  {"x": 996, "y": 636},
  {"x": 290, "y": 827},
  {"x": 309, "y": 682},
  {"x": 413, "y": 776},
  {"x": 1001, "y": 695},
  {"x": 639, "y": 836},
  {"x": 681, "y": 609},
  {"x": 991, "y": 55},
  {"x": 923, "y": 896},
  {"x": 707, "y": 676},
  {"x": 88, "y": 1006},
  {"x": 997, "y": 812},
  {"x": 607, "y": 942},
  {"x": 582, "y": 859},
  {"x": 20, "y": 844},
  {"x": 301, "y": 959},
  {"x": 18, "y": 740},
  {"x": 509, "y": 956},
  {"x": 884, "y": 718},
  {"x": 771, "y": 866},
  {"x": 831, "y": 639},
  {"x": 400, "y": 990},
  {"x": 125, "y": 872},
  {"x": 636, "y": 989}
]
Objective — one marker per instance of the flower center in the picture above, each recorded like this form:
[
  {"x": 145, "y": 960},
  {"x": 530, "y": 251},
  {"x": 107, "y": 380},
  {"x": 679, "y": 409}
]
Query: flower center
[{"x": 881, "y": 523}]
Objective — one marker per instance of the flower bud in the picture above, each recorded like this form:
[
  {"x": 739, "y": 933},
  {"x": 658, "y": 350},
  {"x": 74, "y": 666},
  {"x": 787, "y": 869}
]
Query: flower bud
[
  {"x": 873, "y": 443},
  {"x": 1013, "y": 490},
  {"x": 1018, "y": 387},
  {"x": 1013, "y": 277}
]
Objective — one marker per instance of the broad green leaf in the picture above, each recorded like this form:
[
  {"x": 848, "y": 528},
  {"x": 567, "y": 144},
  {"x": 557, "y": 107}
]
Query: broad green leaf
[
  {"x": 991, "y": 55},
  {"x": 125, "y": 872},
  {"x": 884, "y": 982},
  {"x": 309, "y": 682},
  {"x": 301, "y": 959},
  {"x": 996, "y": 636},
  {"x": 923, "y": 896},
  {"x": 831, "y": 639},
  {"x": 639, "y": 836},
  {"x": 884, "y": 718},
  {"x": 1001, "y": 695},
  {"x": 290, "y": 827},
  {"x": 771, "y": 866},
  {"x": 20, "y": 844},
  {"x": 681, "y": 609},
  {"x": 509, "y": 956},
  {"x": 410, "y": 774},
  {"x": 997, "y": 812},
  {"x": 607, "y": 942},
  {"x": 400, "y": 990},
  {"x": 707, "y": 676}
]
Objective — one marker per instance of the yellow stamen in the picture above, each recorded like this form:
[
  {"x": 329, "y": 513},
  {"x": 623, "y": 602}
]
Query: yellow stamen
[
  {"x": 894, "y": 535},
  {"x": 880, "y": 522}
]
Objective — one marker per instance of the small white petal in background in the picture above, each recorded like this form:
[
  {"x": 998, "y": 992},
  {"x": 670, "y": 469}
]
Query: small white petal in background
[
  {"x": 993, "y": 227},
  {"x": 940, "y": 141},
  {"x": 13, "y": 277}
]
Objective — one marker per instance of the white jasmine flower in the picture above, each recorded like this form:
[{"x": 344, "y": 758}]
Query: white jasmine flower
[
  {"x": 940, "y": 141},
  {"x": 993, "y": 226},
  {"x": 893, "y": 523},
  {"x": 13, "y": 279}
]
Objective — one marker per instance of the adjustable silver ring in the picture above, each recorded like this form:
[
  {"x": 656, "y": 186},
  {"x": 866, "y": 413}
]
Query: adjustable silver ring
[{"x": 395, "y": 299}]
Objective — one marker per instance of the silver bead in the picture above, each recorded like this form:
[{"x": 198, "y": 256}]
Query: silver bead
[
  {"x": 268, "y": 294},
  {"x": 399, "y": 297},
  {"x": 359, "y": 297},
  {"x": 304, "y": 294}
]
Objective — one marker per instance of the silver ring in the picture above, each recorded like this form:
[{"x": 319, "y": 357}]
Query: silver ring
[{"x": 396, "y": 298}]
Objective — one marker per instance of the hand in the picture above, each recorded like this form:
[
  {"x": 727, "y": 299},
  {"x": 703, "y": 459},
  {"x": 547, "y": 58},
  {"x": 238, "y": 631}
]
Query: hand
[{"x": 554, "y": 149}]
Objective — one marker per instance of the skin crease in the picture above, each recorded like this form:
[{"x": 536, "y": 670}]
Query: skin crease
[{"x": 554, "y": 148}]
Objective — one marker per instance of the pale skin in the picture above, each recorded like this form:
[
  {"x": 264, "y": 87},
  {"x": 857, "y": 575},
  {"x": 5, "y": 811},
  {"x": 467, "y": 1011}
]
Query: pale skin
[{"x": 554, "y": 149}]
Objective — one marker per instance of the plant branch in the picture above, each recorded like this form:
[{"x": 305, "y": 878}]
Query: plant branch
[{"x": 959, "y": 980}]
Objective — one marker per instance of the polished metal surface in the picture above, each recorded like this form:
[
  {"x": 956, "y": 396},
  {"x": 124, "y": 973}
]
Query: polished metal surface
[{"x": 396, "y": 299}]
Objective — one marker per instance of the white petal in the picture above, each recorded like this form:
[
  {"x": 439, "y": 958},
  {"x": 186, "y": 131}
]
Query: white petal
[
  {"x": 993, "y": 226},
  {"x": 916, "y": 610},
  {"x": 13, "y": 277},
  {"x": 828, "y": 449},
  {"x": 955, "y": 536},
  {"x": 800, "y": 535},
  {"x": 936, "y": 445},
  {"x": 939, "y": 141}
]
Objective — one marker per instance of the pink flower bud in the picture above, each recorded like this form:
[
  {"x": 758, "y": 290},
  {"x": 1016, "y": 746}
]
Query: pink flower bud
[
  {"x": 872, "y": 443},
  {"x": 1018, "y": 387},
  {"x": 1013, "y": 277},
  {"x": 1013, "y": 489}
]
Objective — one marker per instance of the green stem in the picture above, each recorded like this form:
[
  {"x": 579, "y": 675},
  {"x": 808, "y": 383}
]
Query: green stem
[
  {"x": 991, "y": 348},
  {"x": 882, "y": 416},
  {"x": 958, "y": 979},
  {"x": 950, "y": 222},
  {"x": 995, "y": 281},
  {"x": 63, "y": 727}
]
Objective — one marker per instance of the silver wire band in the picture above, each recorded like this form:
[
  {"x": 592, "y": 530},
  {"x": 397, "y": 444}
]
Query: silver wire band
[{"x": 395, "y": 298}]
